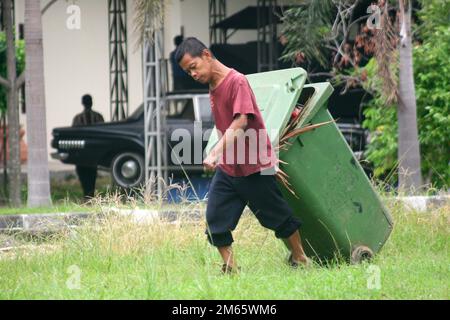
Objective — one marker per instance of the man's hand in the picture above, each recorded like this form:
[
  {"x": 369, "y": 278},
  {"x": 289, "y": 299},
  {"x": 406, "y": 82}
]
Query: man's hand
[
  {"x": 237, "y": 127},
  {"x": 210, "y": 163}
]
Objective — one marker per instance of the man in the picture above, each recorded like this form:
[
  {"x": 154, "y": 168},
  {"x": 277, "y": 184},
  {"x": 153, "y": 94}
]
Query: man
[
  {"x": 87, "y": 175},
  {"x": 237, "y": 184}
]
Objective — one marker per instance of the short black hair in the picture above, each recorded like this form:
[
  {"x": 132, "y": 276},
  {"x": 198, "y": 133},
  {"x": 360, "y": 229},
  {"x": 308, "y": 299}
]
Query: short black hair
[
  {"x": 86, "y": 100},
  {"x": 178, "y": 40},
  {"x": 192, "y": 46}
]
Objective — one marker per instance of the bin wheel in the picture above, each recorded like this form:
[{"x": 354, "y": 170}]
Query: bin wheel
[{"x": 360, "y": 254}]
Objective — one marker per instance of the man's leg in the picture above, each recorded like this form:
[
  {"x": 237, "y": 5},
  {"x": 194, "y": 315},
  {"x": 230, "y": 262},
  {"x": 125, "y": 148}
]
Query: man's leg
[
  {"x": 223, "y": 210},
  {"x": 92, "y": 180},
  {"x": 273, "y": 212},
  {"x": 82, "y": 177},
  {"x": 294, "y": 243},
  {"x": 227, "y": 257},
  {"x": 87, "y": 176}
]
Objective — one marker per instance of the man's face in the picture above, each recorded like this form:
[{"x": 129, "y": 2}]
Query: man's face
[{"x": 199, "y": 68}]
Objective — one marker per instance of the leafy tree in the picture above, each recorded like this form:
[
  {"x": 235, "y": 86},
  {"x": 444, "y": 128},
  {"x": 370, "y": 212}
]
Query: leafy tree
[
  {"x": 20, "y": 55},
  {"x": 432, "y": 78},
  {"x": 11, "y": 83},
  {"x": 390, "y": 44},
  {"x": 20, "y": 66}
]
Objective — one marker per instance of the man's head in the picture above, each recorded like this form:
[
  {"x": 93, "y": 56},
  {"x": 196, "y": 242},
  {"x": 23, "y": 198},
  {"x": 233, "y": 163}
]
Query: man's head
[
  {"x": 86, "y": 101},
  {"x": 195, "y": 59}
]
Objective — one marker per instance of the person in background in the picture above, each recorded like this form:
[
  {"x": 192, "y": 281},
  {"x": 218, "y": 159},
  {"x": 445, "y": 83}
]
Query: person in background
[
  {"x": 180, "y": 78},
  {"x": 87, "y": 175}
]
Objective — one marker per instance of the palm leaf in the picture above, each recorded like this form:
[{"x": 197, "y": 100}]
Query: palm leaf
[
  {"x": 307, "y": 28},
  {"x": 149, "y": 17},
  {"x": 299, "y": 131}
]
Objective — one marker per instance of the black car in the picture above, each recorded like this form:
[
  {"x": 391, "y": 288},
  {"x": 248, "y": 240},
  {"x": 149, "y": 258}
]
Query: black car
[{"x": 120, "y": 146}]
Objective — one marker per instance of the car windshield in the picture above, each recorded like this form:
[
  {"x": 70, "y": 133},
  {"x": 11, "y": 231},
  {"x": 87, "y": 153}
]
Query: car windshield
[
  {"x": 180, "y": 109},
  {"x": 205, "y": 109}
]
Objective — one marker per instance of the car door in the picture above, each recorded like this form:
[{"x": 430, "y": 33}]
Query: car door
[
  {"x": 204, "y": 124},
  {"x": 180, "y": 131}
]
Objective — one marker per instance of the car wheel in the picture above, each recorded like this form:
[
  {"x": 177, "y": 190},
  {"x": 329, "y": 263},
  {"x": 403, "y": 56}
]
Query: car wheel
[{"x": 128, "y": 170}]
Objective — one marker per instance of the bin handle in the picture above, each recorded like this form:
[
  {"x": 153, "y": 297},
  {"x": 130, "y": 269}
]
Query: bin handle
[{"x": 290, "y": 84}]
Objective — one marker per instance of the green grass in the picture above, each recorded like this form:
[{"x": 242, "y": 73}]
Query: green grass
[
  {"x": 66, "y": 208},
  {"x": 69, "y": 189},
  {"x": 118, "y": 259},
  {"x": 65, "y": 192}
]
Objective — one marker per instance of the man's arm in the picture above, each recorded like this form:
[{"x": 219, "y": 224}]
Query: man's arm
[
  {"x": 100, "y": 118},
  {"x": 235, "y": 130},
  {"x": 75, "y": 121}
]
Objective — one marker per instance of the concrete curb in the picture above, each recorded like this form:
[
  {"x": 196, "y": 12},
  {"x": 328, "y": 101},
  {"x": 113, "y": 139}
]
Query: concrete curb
[
  {"x": 422, "y": 203},
  {"x": 168, "y": 216},
  {"x": 52, "y": 222},
  {"x": 40, "y": 222}
]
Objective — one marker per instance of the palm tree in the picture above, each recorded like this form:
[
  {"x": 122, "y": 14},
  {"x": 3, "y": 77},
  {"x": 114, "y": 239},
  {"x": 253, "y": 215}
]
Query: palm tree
[
  {"x": 38, "y": 173},
  {"x": 410, "y": 176},
  {"x": 148, "y": 24},
  {"x": 13, "y": 113},
  {"x": 149, "y": 18}
]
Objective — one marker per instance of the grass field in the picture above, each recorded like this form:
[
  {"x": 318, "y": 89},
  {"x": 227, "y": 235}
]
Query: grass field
[{"x": 119, "y": 259}]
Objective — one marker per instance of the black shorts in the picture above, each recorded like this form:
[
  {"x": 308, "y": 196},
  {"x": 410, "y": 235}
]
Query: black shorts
[{"x": 228, "y": 197}]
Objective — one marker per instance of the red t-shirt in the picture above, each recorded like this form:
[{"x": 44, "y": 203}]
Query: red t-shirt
[{"x": 253, "y": 152}]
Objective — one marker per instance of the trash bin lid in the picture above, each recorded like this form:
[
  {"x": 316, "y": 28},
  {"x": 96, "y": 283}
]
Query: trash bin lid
[
  {"x": 276, "y": 93},
  {"x": 322, "y": 91}
]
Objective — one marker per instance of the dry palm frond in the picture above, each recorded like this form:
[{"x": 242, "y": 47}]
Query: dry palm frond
[
  {"x": 283, "y": 174},
  {"x": 284, "y": 147},
  {"x": 299, "y": 131},
  {"x": 149, "y": 18},
  {"x": 293, "y": 124},
  {"x": 386, "y": 41},
  {"x": 283, "y": 178}
]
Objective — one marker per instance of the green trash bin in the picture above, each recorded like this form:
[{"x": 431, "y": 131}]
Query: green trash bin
[{"x": 341, "y": 212}]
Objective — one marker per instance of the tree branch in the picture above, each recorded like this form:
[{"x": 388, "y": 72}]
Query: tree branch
[
  {"x": 5, "y": 83},
  {"x": 48, "y": 6},
  {"x": 323, "y": 74},
  {"x": 358, "y": 20},
  {"x": 20, "y": 80}
]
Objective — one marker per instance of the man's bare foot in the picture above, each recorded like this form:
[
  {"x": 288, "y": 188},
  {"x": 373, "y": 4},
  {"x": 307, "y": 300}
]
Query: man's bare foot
[
  {"x": 227, "y": 269},
  {"x": 303, "y": 261}
]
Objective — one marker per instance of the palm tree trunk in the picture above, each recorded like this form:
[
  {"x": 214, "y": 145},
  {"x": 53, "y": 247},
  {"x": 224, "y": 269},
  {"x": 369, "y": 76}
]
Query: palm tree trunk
[
  {"x": 38, "y": 173},
  {"x": 13, "y": 111},
  {"x": 410, "y": 177}
]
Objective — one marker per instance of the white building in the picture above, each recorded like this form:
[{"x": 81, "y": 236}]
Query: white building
[{"x": 77, "y": 59}]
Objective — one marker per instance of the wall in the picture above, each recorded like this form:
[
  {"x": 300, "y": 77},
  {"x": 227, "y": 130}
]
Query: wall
[{"x": 77, "y": 61}]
